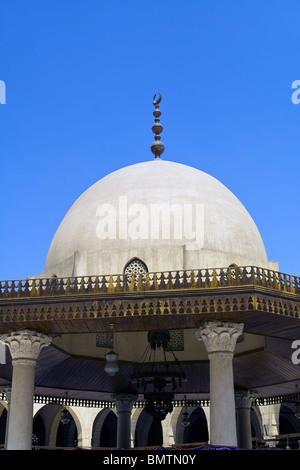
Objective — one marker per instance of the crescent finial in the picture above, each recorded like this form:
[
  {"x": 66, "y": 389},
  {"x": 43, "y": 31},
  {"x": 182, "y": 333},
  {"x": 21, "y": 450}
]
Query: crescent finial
[{"x": 156, "y": 102}]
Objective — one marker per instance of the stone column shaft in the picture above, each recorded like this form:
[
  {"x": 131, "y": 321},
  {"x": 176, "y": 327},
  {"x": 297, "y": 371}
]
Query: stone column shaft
[
  {"x": 244, "y": 399},
  {"x": 124, "y": 403},
  {"x": 24, "y": 347},
  {"x": 222, "y": 404},
  {"x": 220, "y": 340},
  {"x": 20, "y": 417}
]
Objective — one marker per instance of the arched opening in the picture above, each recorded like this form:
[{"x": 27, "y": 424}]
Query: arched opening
[
  {"x": 148, "y": 432},
  {"x": 197, "y": 430},
  {"x": 105, "y": 429},
  {"x": 108, "y": 434},
  {"x": 67, "y": 433},
  {"x": 256, "y": 424},
  {"x": 155, "y": 435},
  {"x": 38, "y": 431},
  {"x": 135, "y": 271},
  {"x": 135, "y": 266},
  {"x": 3, "y": 419},
  {"x": 288, "y": 424}
]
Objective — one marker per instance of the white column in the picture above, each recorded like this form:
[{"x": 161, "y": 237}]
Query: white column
[
  {"x": 124, "y": 403},
  {"x": 244, "y": 399},
  {"x": 220, "y": 340},
  {"x": 24, "y": 348}
]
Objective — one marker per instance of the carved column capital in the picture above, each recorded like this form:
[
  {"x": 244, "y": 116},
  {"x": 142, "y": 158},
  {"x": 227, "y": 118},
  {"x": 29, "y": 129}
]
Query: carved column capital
[
  {"x": 219, "y": 336},
  {"x": 25, "y": 345},
  {"x": 124, "y": 401},
  {"x": 244, "y": 399}
]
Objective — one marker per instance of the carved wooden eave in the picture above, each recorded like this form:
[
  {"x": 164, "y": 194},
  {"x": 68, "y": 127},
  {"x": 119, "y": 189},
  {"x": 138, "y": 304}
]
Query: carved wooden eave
[{"x": 267, "y": 302}]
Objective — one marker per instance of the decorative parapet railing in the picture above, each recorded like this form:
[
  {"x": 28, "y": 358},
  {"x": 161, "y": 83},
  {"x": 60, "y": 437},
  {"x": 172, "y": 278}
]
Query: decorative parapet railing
[
  {"x": 94, "y": 403},
  {"x": 161, "y": 281}
]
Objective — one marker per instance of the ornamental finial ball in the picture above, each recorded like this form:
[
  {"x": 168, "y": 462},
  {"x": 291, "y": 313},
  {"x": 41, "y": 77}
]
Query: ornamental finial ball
[{"x": 157, "y": 148}]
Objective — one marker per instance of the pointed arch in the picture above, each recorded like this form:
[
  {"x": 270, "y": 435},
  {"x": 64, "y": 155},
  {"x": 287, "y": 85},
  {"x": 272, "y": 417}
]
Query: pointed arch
[
  {"x": 135, "y": 266},
  {"x": 74, "y": 428},
  {"x": 105, "y": 429}
]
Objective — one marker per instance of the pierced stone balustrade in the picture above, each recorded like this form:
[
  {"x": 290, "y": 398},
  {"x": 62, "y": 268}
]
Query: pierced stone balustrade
[{"x": 168, "y": 280}]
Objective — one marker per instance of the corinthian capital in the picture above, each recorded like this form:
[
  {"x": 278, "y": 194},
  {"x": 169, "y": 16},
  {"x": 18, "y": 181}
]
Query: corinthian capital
[
  {"x": 124, "y": 401},
  {"x": 219, "y": 336},
  {"x": 25, "y": 344},
  {"x": 244, "y": 398}
]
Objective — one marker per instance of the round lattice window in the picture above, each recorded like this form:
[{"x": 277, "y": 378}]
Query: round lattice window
[{"x": 135, "y": 266}]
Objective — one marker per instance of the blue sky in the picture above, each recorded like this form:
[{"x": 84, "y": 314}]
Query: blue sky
[{"x": 80, "y": 77}]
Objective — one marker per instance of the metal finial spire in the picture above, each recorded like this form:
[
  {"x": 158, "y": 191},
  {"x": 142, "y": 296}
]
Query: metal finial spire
[{"x": 157, "y": 148}]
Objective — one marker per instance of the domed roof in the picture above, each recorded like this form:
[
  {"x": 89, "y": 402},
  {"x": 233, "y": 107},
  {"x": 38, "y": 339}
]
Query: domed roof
[{"x": 117, "y": 213}]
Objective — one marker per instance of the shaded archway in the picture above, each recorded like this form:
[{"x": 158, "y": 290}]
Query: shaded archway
[
  {"x": 155, "y": 435},
  {"x": 148, "y": 432},
  {"x": 67, "y": 433},
  {"x": 197, "y": 430},
  {"x": 256, "y": 424},
  {"x": 108, "y": 434},
  {"x": 105, "y": 429},
  {"x": 3, "y": 419},
  {"x": 288, "y": 424},
  {"x": 38, "y": 431}
]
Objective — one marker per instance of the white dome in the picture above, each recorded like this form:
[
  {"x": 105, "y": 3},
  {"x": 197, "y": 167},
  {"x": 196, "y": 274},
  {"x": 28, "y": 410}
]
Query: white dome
[{"x": 224, "y": 232}]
